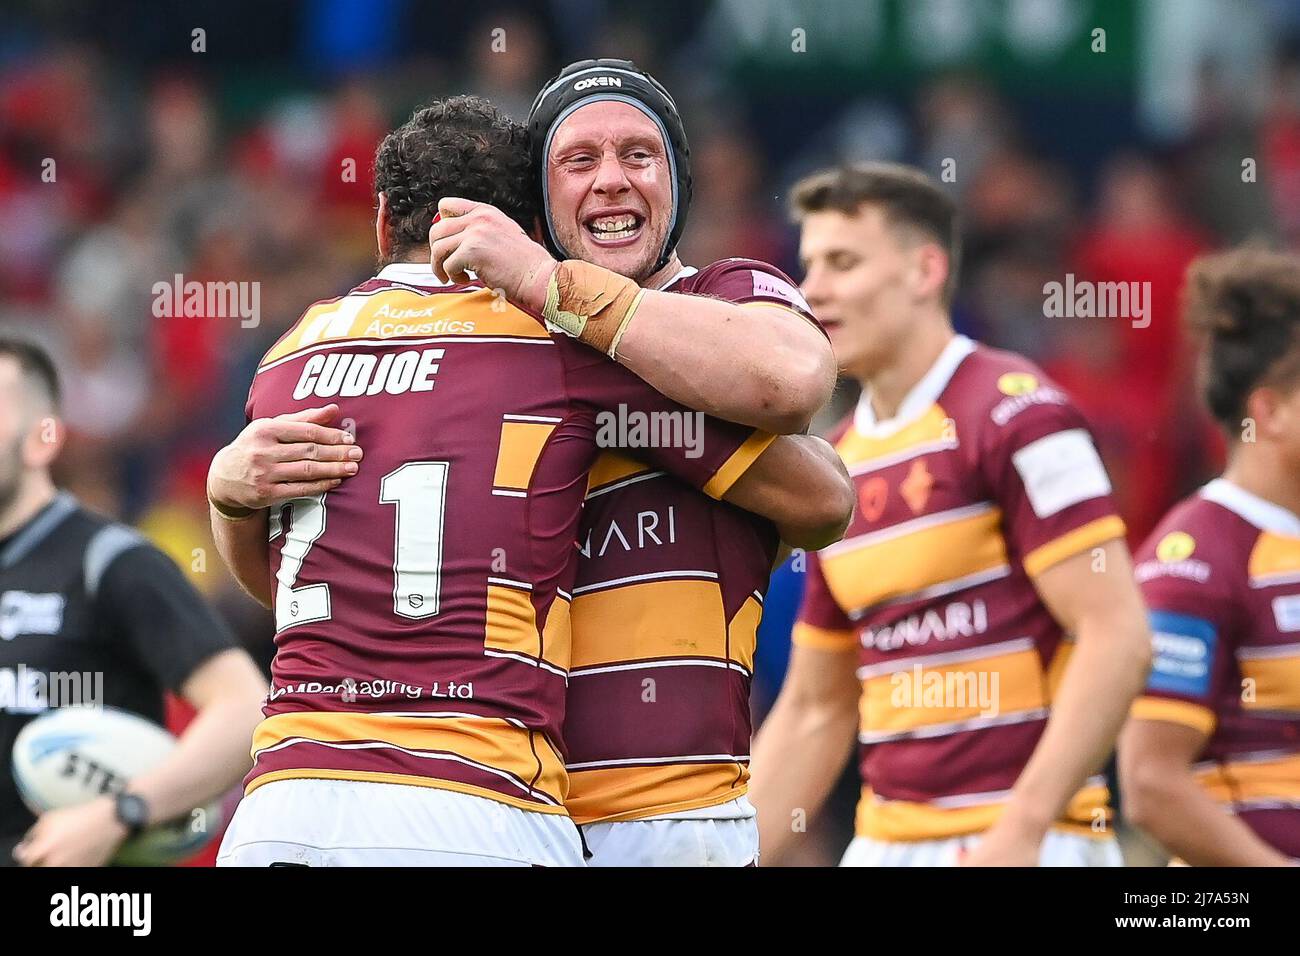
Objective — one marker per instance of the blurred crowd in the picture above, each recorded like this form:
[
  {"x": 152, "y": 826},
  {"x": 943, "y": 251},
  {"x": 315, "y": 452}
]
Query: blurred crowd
[{"x": 126, "y": 160}]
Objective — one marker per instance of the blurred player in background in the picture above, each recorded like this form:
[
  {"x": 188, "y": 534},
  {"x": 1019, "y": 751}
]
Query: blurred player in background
[
  {"x": 984, "y": 535},
  {"x": 474, "y": 592},
  {"x": 81, "y": 594},
  {"x": 1210, "y": 761}
]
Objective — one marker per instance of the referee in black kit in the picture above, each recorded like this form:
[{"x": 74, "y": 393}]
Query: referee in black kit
[{"x": 79, "y": 593}]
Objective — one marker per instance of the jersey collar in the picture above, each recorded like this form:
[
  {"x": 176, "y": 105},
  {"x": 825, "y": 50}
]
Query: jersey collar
[
  {"x": 1263, "y": 514},
  {"x": 685, "y": 272},
  {"x": 923, "y": 394},
  {"x": 411, "y": 273},
  {"x": 37, "y": 529}
]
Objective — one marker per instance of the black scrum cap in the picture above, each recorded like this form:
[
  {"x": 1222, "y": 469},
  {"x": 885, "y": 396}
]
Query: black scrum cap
[{"x": 588, "y": 81}]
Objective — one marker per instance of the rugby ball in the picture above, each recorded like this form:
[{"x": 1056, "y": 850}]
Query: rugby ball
[{"x": 74, "y": 754}]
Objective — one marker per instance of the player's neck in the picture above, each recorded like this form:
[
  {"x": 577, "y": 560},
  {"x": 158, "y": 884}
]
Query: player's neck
[
  {"x": 408, "y": 259},
  {"x": 661, "y": 278},
  {"x": 1260, "y": 470},
  {"x": 889, "y": 384},
  {"x": 33, "y": 495}
]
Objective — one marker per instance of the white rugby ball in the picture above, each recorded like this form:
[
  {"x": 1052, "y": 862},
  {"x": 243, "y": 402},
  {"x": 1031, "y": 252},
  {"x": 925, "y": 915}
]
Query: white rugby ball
[{"x": 74, "y": 754}]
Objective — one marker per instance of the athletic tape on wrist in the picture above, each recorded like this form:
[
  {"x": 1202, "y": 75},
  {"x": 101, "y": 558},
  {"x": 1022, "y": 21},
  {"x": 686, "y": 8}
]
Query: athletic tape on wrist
[
  {"x": 232, "y": 514},
  {"x": 592, "y": 304}
]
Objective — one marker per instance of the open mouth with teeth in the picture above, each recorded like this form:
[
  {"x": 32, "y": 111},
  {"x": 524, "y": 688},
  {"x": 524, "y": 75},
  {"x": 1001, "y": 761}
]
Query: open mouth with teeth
[{"x": 617, "y": 229}]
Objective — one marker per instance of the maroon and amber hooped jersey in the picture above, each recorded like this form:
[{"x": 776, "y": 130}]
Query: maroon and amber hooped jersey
[
  {"x": 665, "y": 615},
  {"x": 1221, "y": 576},
  {"x": 422, "y": 607},
  {"x": 986, "y": 478}
]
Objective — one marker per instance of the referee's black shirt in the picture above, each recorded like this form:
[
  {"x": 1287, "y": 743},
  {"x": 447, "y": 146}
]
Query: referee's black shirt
[{"x": 81, "y": 594}]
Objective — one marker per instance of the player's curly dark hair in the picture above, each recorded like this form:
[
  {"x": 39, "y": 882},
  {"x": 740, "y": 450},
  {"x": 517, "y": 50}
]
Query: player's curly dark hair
[
  {"x": 1246, "y": 304},
  {"x": 461, "y": 146}
]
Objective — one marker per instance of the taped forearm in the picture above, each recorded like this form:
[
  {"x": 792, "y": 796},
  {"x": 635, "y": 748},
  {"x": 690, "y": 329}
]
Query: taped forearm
[{"x": 592, "y": 304}]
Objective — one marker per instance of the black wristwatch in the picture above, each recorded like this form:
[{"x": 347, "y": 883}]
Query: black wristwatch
[{"x": 132, "y": 812}]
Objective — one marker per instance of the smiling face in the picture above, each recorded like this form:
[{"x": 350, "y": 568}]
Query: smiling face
[{"x": 610, "y": 188}]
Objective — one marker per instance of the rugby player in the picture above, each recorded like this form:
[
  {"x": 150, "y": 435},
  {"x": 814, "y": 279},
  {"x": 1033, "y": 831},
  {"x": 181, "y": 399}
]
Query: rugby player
[
  {"x": 472, "y": 583},
  {"x": 984, "y": 535},
  {"x": 662, "y": 619},
  {"x": 1210, "y": 759},
  {"x": 664, "y": 627},
  {"x": 81, "y": 595}
]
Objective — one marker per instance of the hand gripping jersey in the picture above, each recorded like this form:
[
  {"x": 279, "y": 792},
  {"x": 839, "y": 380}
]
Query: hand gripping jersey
[
  {"x": 1221, "y": 576},
  {"x": 665, "y": 611},
  {"x": 422, "y": 607},
  {"x": 986, "y": 478}
]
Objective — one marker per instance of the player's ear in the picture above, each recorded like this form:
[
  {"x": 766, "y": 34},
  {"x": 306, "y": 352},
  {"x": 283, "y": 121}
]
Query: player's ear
[
  {"x": 1264, "y": 408},
  {"x": 932, "y": 267},
  {"x": 381, "y": 228},
  {"x": 44, "y": 441}
]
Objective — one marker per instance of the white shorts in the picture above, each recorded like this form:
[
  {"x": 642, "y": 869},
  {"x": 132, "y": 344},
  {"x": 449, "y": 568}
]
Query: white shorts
[
  {"x": 313, "y": 822},
  {"x": 725, "y": 835},
  {"x": 1059, "y": 848}
]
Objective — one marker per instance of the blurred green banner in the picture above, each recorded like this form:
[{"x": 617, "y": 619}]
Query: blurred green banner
[{"x": 826, "y": 44}]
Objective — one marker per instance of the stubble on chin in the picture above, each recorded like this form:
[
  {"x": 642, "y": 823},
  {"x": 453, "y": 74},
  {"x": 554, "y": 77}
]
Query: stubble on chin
[{"x": 615, "y": 260}]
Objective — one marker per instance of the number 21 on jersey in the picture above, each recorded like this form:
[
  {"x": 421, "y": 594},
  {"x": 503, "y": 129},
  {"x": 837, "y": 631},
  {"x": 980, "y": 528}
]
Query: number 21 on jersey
[{"x": 417, "y": 492}]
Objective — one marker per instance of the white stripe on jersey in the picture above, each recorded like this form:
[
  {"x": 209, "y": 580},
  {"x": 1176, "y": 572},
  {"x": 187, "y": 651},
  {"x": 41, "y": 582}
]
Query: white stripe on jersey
[{"x": 954, "y": 727}]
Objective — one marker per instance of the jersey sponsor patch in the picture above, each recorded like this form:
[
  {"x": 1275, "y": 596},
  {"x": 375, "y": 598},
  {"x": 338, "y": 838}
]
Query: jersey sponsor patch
[
  {"x": 1017, "y": 383},
  {"x": 1286, "y": 613},
  {"x": 1182, "y": 651},
  {"x": 22, "y": 612},
  {"x": 767, "y": 284},
  {"x": 1060, "y": 470},
  {"x": 1011, "y": 406},
  {"x": 1190, "y": 570},
  {"x": 1175, "y": 546}
]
